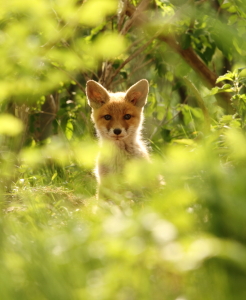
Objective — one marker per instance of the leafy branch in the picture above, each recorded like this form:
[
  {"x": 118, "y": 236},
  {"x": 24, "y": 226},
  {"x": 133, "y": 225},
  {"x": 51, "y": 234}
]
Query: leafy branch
[{"x": 235, "y": 84}]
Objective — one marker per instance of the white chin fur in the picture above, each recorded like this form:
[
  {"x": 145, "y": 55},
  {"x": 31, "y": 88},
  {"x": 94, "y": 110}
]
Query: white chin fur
[{"x": 111, "y": 135}]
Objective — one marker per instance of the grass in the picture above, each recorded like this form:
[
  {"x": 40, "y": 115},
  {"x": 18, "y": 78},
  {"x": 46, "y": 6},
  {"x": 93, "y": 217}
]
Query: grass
[{"x": 58, "y": 242}]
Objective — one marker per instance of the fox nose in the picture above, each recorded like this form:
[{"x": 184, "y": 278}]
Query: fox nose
[{"x": 117, "y": 131}]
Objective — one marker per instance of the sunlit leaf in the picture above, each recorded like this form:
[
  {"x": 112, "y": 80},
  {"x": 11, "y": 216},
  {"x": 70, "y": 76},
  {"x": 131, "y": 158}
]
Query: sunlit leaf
[
  {"x": 227, "y": 76},
  {"x": 10, "y": 125},
  {"x": 31, "y": 156},
  {"x": 69, "y": 130},
  {"x": 241, "y": 69},
  {"x": 225, "y": 88},
  {"x": 109, "y": 45},
  {"x": 94, "y": 11},
  {"x": 86, "y": 153}
]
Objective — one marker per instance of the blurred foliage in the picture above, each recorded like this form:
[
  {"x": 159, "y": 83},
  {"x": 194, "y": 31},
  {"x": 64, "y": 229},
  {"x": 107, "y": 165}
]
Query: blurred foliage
[{"x": 184, "y": 238}]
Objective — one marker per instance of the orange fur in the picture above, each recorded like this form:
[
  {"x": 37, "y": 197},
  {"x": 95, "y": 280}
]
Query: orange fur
[{"x": 118, "y": 121}]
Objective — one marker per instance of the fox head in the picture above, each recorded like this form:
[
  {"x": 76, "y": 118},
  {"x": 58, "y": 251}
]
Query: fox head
[{"x": 117, "y": 116}]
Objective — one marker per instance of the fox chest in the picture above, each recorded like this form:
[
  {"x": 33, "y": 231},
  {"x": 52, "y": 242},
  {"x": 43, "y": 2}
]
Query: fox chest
[{"x": 113, "y": 159}]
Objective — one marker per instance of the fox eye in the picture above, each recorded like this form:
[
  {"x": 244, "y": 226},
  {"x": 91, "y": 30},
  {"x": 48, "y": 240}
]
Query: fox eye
[
  {"x": 107, "y": 117},
  {"x": 127, "y": 117}
]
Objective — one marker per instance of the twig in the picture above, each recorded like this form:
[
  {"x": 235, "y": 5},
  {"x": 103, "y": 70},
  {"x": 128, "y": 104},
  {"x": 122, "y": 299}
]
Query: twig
[
  {"x": 120, "y": 80},
  {"x": 136, "y": 14},
  {"x": 75, "y": 80},
  {"x": 141, "y": 66},
  {"x": 199, "y": 67},
  {"x": 134, "y": 43},
  {"x": 131, "y": 57},
  {"x": 44, "y": 112},
  {"x": 199, "y": 101},
  {"x": 121, "y": 14},
  {"x": 163, "y": 121},
  {"x": 106, "y": 78},
  {"x": 192, "y": 59}
]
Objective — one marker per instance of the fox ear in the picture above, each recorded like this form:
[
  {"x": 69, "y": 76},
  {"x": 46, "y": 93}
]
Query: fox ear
[
  {"x": 96, "y": 94},
  {"x": 137, "y": 93}
]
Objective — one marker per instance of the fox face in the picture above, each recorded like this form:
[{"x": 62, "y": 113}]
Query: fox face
[
  {"x": 117, "y": 116},
  {"x": 117, "y": 120}
]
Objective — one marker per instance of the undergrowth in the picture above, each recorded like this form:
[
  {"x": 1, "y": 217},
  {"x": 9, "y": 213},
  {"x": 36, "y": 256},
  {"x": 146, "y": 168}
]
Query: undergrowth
[{"x": 185, "y": 239}]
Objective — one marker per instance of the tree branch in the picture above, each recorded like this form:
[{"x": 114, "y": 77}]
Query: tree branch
[
  {"x": 135, "y": 14},
  {"x": 122, "y": 13},
  {"x": 118, "y": 81},
  {"x": 75, "y": 80},
  {"x": 131, "y": 57},
  {"x": 200, "y": 68},
  {"x": 191, "y": 58}
]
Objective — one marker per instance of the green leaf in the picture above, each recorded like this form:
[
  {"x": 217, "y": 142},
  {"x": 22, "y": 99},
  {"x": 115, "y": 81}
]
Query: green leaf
[
  {"x": 124, "y": 74},
  {"x": 225, "y": 5},
  {"x": 233, "y": 19},
  {"x": 94, "y": 11},
  {"x": 240, "y": 70},
  {"x": 226, "y": 119},
  {"x": 227, "y": 76},
  {"x": 242, "y": 80},
  {"x": 166, "y": 135},
  {"x": 188, "y": 142},
  {"x": 69, "y": 130},
  {"x": 10, "y": 125},
  {"x": 185, "y": 41},
  {"x": 109, "y": 45},
  {"x": 239, "y": 98},
  {"x": 208, "y": 53},
  {"x": 54, "y": 176},
  {"x": 226, "y": 88},
  {"x": 232, "y": 9}
]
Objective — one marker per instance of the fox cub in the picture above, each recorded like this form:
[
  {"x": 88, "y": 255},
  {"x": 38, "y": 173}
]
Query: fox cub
[{"x": 118, "y": 119}]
